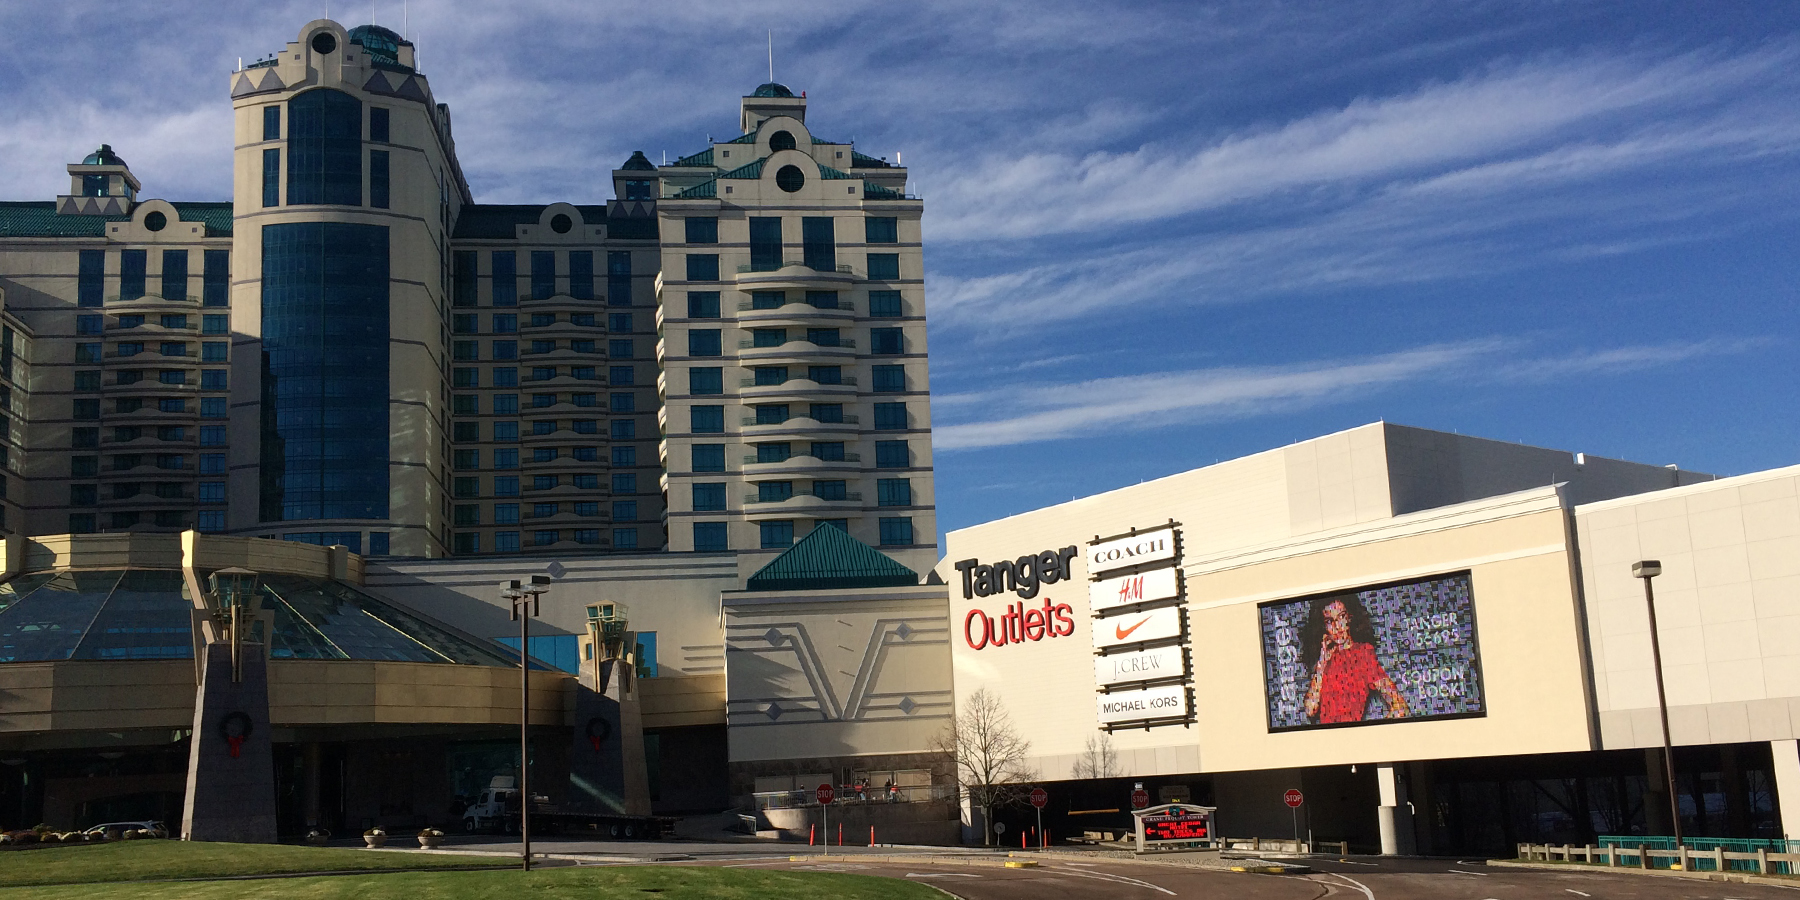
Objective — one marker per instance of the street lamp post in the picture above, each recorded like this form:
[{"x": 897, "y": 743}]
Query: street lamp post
[
  {"x": 232, "y": 590},
  {"x": 525, "y": 599},
  {"x": 1647, "y": 570}
]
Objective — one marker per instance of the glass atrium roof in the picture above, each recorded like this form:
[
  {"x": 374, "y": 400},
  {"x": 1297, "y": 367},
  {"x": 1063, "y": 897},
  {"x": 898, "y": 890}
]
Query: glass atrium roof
[{"x": 147, "y": 614}]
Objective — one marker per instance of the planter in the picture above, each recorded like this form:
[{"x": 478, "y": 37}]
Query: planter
[
  {"x": 431, "y": 841},
  {"x": 318, "y": 838},
  {"x": 375, "y": 841}
]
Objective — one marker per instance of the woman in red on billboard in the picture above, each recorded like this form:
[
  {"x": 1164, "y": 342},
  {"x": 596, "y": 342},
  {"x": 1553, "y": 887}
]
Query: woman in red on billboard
[{"x": 1339, "y": 642}]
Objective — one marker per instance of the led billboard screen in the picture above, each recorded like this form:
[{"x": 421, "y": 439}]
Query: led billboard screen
[{"x": 1397, "y": 651}]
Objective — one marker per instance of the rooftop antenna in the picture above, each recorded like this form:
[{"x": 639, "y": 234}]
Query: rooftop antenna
[
  {"x": 771, "y": 56},
  {"x": 402, "y": 19}
]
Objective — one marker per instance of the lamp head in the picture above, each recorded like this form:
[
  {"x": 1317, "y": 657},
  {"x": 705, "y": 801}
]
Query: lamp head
[{"x": 1649, "y": 568}]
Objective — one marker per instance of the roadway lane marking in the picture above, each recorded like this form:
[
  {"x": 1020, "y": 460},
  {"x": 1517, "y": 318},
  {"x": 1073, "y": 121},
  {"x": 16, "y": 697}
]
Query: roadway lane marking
[
  {"x": 1120, "y": 879},
  {"x": 1354, "y": 883},
  {"x": 942, "y": 875},
  {"x": 1461, "y": 872},
  {"x": 1351, "y": 862},
  {"x": 1577, "y": 893}
]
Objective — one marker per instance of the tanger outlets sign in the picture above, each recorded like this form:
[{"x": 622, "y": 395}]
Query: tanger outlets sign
[
  {"x": 1145, "y": 547},
  {"x": 1167, "y": 702},
  {"x": 1144, "y": 665},
  {"x": 1125, "y": 590},
  {"x": 1017, "y": 622},
  {"x": 1138, "y": 628}
]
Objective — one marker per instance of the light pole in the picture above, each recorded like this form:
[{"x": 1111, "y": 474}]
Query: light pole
[
  {"x": 232, "y": 589},
  {"x": 526, "y": 603},
  {"x": 1648, "y": 569}
]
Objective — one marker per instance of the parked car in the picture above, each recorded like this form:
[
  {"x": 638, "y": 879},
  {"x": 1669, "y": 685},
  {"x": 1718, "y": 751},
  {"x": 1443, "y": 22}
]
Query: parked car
[{"x": 150, "y": 825}]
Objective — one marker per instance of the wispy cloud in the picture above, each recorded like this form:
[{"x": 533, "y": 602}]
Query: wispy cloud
[{"x": 1109, "y": 407}]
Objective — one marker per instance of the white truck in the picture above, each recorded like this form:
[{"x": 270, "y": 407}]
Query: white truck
[{"x": 496, "y": 810}]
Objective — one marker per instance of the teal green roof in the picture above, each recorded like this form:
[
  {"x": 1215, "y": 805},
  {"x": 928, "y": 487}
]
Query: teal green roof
[
  {"x": 829, "y": 558},
  {"x": 638, "y": 163},
  {"x": 753, "y": 170},
  {"x": 864, "y": 161},
  {"x": 749, "y": 138},
  {"x": 873, "y": 191},
  {"x": 772, "y": 90},
  {"x": 381, "y": 43},
  {"x": 705, "y": 190},
  {"x": 703, "y": 158},
  {"x": 103, "y": 157},
  {"x": 38, "y": 218},
  {"x": 830, "y": 174}
]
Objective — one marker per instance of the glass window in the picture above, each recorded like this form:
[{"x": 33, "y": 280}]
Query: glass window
[
  {"x": 584, "y": 320},
  {"x": 825, "y": 374},
  {"x": 822, "y": 299},
  {"x": 624, "y": 482},
  {"x": 703, "y": 267},
  {"x": 707, "y": 419},
  {"x": 84, "y": 437},
  {"x": 218, "y": 323},
  {"x": 624, "y": 510},
  {"x": 621, "y": 376},
  {"x": 506, "y": 458},
  {"x": 706, "y": 457},
  {"x": 127, "y": 348},
  {"x": 172, "y": 405},
  {"x": 884, "y": 266},
  {"x": 824, "y": 337},
  {"x": 90, "y": 282},
  {"x": 467, "y": 515},
  {"x": 771, "y": 413},
  {"x": 131, "y": 273},
  {"x": 774, "y": 452},
  {"x": 506, "y": 431},
  {"x": 620, "y": 349},
  {"x": 709, "y": 497},
  {"x": 467, "y": 460},
  {"x": 86, "y": 409},
  {"x": 544, "y": 510},
  {"x": 703, "y": 304},
  {"x": 774, "y": 491},
  {"x": 618, "y": 277},
  {"x": 506, "y": 323},
  {"x": 125, "y": 321},
  {"x": 819, "y": 243},
  {"x": 378, "y": 543},
  {"x": 506, "y": 404},
  {"x": 765, "y": 244},
  {"x": 888, "y": 379},
  {"x": 589, "y": 482},
  {"x": 173, "y": 348},
  {"x": 506, "y": 485},
  {"x": 768, "y": 337},
  {"x": 463, "y": 278},
  {"x": 768, "y": 299},
  {"x": 896, "y": 532},
  {"x": 831, "y": 413},
  {"x": 213, "y": 408},
  {"x": 581, "y": 274},
  {"x": 215, "y": 278},
  {"x": 88, "y": 381},
  {"x": 465, "y": 323},
  {"x": 543, "y": 373},
  {"x": 622, "y": 456},
  {"x": 777, "y": 535},
  {"x": 583, "y": 399},
  {"x": 543, "y": 454},
  {"x": 829, "y": 451},
  {"x": 504, "y": 265},
  {"x": 271, "y": 177},
  {"x": 881, "y": 230},
  {"x": 619, "y": 322},
  {"x": 702, "y": 229},
  {"x": 506, "y": 376},
  {"x": 378, "y": 179},
  {"x": 890, "y": 416},
  {"x": 325, "y": 400},
  {"x": 272, "y": 123},
  {"x": 209, "y": 520},
  {"x": 624, "y": 429},
  {"x": 325, "y": 148},
  {"x": 584, "y": 426},
  {"x": 465, "y": 404},
  {"x": 95, "y": 324},
  {"x": 540, "y": 401},
  {"x": 887, "y": 341},
  {"x": 543, "y": 320},
  {"x": 175, "y": 275},
  {"x": 639, "y": 189},
  {"x": 544, "y": 426},
  {"x": 212, "y": 463},
  {"x": 378, "y": 124},
  {"x": 90, "y": 353},
  {"x": 892, "y": 455},
  {"x": 506, "y": 541},
  {"x": 465, "y": 351},
  {"x": 506, "y": 513},
  {"x": 211, "y": 379},
  {"x": 893, "y": 491},
  {"x": 627, "y": 539},
  {"x": 622, "y": 403},
  {"x": 543, "y": 538},
  {"x": 703, "y": 342},
  {"x": 211, "y": 351},
  {"x": 505, "y": 349},
  {"x": 830, "y": 490},
  {"x": 465, "y": 378},
  {"x": 212, "y": 435},
  {"x": 543, "y": 274},
  {"x": 708, "y": 536},
  {"x": 465, "y": 432},
  {"x": 771, "y": 375}
]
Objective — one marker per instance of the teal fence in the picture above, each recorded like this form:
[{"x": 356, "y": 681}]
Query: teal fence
[{"x": 1707, "y": 844}]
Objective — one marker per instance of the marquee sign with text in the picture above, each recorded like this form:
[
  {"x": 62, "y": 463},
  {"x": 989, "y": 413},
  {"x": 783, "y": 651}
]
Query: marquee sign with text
[{"x": 1139, "y": 629}]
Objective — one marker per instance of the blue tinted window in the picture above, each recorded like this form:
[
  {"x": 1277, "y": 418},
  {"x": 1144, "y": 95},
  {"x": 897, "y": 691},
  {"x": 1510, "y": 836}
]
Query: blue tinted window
[
  {"x": 709, "y": 497},
  {"x": 217, "y": 323},
  {"x": 210, "y": 520},
  {"x": 506, "y": 541},
  {"x": 703, "y": 229},
  {"x": 506, "y": 323},
  {"x": 765, "y": 244},
  {"x": 704, "y": 342},
  {"x": 272, "y": 123},
  {"x": 774, "y": 452},
  {"x": 884, "y": 266},
  {"x": 506, "y": 376},
  {"x": 463, "y": 278},
  {"x": 884, "y": 304},
  {"x": 620, "y": 349},
  {"x": 627, "y": 539},
  {"x": 618, "y": 277},
  {"x": 623, "y": 403},
  {"x": 212, "y": 407},
  {"x": 581, "y": 274},
  {"x": 378, "y": 124},
  {"x": 703, "y": 304},
  {"x": 709, "y": 457},
  {"x": 887, "y": 341},
  {"x": 710, "y": 536},
  {"x": 215, "y": 280},
  {"x": 212, "y": 463},
  {"x": 506, "y": 486},
  {"x": 620, "y": 322},
  {"x": 624, "y": 510},
  {"x": 708, "y": 380},
  {"x": 893, "y": 492},
  {"x": 621, "y": 376},
  {"x": 91, "y": 280},
  {"x": 890, "y": 416},
  {"x": 892, "y": 455},
  {"x": 819, "y": 243},
  {"x": 624, "y": 429},
  {"x": 703, "y": 267},
  {"x": 624, "y": 456},
  {"x": 543, "y": 274},
  {"x": 506, "y": 278},
  {"x": 325, "y": 148},
  {"x": 624, "y": 482},
  {"x": 378, "y": 179},
  {"x": 175, "y": 274},
  {"x": 881, "y": 230},
  {"x": 896, "y": 532},
  {"x": 212, "y": 379},
  {"x": 94, "y": 324},
  {"x": 132, "y": 265},
  {"x": 325, "y": 351},
  {"x": 776, "y": 535},
  {"x": 271, "y": 177},
  {"x": 707, "y": 419}
]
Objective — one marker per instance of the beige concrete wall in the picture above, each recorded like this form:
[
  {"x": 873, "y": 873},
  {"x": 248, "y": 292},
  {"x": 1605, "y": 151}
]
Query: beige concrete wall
[
  {"x": 850, "y": 672},
  {"x": 115, "y": 695},
  {"x": 337, "y": 692},
  {"x": 1728, "y": 610}
]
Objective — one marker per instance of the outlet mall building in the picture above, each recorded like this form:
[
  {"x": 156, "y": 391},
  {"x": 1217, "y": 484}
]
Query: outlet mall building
[{"x": 1435, "y": 638}]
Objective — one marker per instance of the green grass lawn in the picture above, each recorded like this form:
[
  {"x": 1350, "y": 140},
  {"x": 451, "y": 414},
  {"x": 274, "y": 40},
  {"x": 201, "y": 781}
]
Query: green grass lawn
[
  {"x": 587, "y": 883},
  {"x": 156, "y": 859}
]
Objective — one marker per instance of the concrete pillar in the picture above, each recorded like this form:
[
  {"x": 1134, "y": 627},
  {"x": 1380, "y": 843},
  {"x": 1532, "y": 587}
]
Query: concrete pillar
[
  {"x": 1395, "y": 816},
  {"x": 231, "y": 764},
  {"x": 607, "y": 769},
  {"x": 1787, "y": 785},
  {"x": 310, "y": 784}
]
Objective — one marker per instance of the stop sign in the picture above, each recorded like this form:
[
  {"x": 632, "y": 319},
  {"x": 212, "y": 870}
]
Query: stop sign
[
  {"x": 1293, "y": 798},
  {"x": 1140, "y": 798},
  {"x": 1039, "y": 797},
  {"x": 825, "y": 793}
]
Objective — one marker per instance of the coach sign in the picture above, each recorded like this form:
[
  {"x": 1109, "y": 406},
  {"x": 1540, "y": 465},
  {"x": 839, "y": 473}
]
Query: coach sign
[{"x": 1155, "y": 545}]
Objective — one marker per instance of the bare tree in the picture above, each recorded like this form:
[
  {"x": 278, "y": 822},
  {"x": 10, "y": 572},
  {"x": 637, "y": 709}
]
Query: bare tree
[
  {"x": 990, "y": 756},
  {"x": 1099, "y": 760}
]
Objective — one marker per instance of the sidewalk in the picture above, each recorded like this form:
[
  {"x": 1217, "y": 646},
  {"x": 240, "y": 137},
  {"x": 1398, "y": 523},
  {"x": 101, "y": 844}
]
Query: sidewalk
[{"x": 1726, "y": 877}]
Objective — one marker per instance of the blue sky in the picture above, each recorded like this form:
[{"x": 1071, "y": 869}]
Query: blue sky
[{"x": 1157, "y": 235}]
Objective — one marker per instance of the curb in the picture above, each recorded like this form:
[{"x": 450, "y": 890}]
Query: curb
[{"x": 1721, "y": 877}]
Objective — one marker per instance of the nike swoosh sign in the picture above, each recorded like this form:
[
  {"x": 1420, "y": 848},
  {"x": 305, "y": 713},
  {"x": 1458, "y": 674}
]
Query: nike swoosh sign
[{"x": 1124, "y": 632}]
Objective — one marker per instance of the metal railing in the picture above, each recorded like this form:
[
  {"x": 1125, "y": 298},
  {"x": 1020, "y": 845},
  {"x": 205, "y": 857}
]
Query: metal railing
[
  {"x": 751, "y": 306},
  {"x": 750, "y": 344},
  {"x": 847, "y": 794},
  {"x": 749, "y": 268},
  {"x": 846, "y": 420},
  {"x": 751, "y": 458},
  {"x": 1697, "y": 854},
  {"x": 846, "y": 381},
  {"x": 754, "y": 498}
]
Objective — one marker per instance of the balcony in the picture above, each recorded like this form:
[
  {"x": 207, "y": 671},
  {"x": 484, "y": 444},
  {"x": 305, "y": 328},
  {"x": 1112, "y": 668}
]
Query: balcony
[
  {"x": 795, "y": 311},
  {"x": 800, "y": 422},
  {"x": 804, "y": 460},
  {"x": 796, "y": 348},
  {"x": 796, "y": 388},
  {"x": 793, "y": 274},
  {"x": 753, "y": 499}
]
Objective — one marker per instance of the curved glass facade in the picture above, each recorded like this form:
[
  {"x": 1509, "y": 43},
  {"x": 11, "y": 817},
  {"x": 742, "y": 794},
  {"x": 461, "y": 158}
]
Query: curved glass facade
[
  {"x": 325, "y": 371},
  {"x": 325, "y": 149}
]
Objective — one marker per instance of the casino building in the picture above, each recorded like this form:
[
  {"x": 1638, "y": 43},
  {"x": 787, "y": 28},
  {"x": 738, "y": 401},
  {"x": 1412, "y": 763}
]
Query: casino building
[{"x": 270, "y": 463}]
